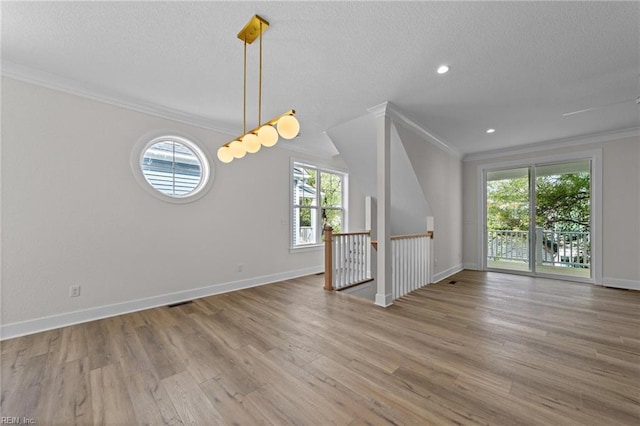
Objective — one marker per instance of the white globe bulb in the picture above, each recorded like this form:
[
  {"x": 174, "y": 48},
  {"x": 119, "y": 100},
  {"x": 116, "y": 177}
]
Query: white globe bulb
[
  {"x": 288, "y": 127},
  {"x": 267, "y": 135},
  {"x": 225, "y": 155},
  {"x": 251, "y": 143},
  {"x": 237, "y": 149}
]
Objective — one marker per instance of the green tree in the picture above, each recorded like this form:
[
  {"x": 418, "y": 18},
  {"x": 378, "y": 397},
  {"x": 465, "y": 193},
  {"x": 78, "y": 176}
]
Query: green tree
[
  {"x": 310, "y": 182},
  {"x": 562, "y": 202},
  {"x": 331, "y": 197},
  {"x": 508, "y": 204}
]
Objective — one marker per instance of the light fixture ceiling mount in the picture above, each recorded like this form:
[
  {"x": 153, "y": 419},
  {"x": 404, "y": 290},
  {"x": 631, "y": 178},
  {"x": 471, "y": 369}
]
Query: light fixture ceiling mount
[
  {"x": 265, "y": 134},
  {"x": 443, "y": 69}
]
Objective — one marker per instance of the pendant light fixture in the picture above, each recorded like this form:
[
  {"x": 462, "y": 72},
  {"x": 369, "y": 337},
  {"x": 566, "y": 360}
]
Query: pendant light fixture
[{"x": 265, "y": 134}]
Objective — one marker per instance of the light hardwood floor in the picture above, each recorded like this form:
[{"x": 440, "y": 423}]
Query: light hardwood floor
[{"x": 491, "y": 349}]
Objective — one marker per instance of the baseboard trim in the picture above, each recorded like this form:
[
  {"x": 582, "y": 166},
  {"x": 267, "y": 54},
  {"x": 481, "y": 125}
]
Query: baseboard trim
[
  {"x": 621, "y": 283},
  {"x": 471, "y": 266},
  {"x": 447, "y": 273},
  {"x": 384, "y": 300},
  {"x": 23, "y": 328}
]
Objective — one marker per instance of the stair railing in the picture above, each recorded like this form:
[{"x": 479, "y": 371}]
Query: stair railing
[
  {"x": 410, "y": 263},
  {"x": 346, "y": 259}
]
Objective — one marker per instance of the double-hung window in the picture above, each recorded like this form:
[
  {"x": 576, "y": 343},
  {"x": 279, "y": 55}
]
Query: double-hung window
[{"x": 318, "y": 199}]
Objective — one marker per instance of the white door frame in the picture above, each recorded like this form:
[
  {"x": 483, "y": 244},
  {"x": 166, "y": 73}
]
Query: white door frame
[{"x": 596, "y": 204}]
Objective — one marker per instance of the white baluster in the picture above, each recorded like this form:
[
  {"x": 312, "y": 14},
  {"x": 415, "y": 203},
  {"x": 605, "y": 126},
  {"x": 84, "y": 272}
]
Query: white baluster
[
  {"x": 412, "y": 265},
  {"x": 418, "y": 264},
  {"x": 395, "y": 268},
  {"x": 340, "y": 261},
  {"x": 405, "y": 266},
  {"x": 423, "y": 280},
  {"x": 335, "y": 261},
  {"x": 345, "y": 259},
  {"x": 360, "y": 257},
  {"x": 353, "y": 255},
  {"x": 400, "y": 267}
]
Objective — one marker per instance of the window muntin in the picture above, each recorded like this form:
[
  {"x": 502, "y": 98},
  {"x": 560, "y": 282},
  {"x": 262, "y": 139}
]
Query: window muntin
[{"x": 312, "y": 209}]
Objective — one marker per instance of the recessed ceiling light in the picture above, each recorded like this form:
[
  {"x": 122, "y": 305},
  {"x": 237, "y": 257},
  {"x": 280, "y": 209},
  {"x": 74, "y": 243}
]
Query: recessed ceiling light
[
  {"x": 491, "y": 130},
  {"x": 443, "y": 69}
]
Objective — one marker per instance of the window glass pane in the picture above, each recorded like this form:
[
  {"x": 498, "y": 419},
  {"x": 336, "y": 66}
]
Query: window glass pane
[
  {"x": 331, "y": 189},
  {"x": 304, "y": 186},
  {"x": 333, "y": 218},
  {"x": 305, "y": 225},
  {"x": 508, "y": 219},
  {"x": 317, "y": 200},
  {"x": 172, "y": 168},
  {"x": 563, "y": 218}
]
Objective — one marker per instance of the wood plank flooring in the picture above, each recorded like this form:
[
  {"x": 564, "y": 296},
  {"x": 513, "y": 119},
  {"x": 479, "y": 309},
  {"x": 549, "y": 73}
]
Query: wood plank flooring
[{"x": 491, "y": 349}]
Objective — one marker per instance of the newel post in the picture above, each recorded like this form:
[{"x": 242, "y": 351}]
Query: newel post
[{"x": 328, "y": 256}]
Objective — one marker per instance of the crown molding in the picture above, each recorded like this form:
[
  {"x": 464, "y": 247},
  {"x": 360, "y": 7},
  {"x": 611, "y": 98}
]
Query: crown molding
[
  {"x": 54, "y": 82},
  {"x": 387, "y": 108},
  {"x": 379, "y": 110},
  {"x": 554, "y": 144}
]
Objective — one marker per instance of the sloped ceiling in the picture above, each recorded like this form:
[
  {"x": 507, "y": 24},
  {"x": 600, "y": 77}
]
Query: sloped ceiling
[{"x": 515, "y": 66}]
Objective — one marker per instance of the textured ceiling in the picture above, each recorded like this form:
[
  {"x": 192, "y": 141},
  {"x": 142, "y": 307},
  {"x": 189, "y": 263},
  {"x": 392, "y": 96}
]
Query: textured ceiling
[{"x": 515, "y": 66}]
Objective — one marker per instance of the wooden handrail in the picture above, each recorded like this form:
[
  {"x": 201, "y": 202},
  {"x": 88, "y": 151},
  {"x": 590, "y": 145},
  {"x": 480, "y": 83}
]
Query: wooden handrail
[
  {"x": 429, "y": 234},
  {"x": 352, "y": 233}
]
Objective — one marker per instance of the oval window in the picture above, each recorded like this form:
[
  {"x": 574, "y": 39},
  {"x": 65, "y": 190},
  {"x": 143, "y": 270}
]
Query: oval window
[{"x": 174, "y": 166}]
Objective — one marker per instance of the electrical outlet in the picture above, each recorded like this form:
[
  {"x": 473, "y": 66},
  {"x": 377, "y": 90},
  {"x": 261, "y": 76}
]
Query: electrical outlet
[{"x": 74, "y": 291}]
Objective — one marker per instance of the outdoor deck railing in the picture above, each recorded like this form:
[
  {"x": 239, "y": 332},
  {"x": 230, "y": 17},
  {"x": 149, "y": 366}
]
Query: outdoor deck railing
[
  {"x": 508, "y": 245},
  {"x": 565, "y": 249},
  {"x": 306, "y": 235},
  {"x": 568, "y": 249}
]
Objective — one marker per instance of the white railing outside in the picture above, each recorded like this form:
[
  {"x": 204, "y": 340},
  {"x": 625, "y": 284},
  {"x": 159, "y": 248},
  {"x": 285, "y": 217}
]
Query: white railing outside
[
  {"x": 351, "y": 255},
  {"x": 306, "y": 235},
  {"x": 410, "y": 265},
  {"x": 508, "y": 245},
  {"x": 565, "y": 249}
]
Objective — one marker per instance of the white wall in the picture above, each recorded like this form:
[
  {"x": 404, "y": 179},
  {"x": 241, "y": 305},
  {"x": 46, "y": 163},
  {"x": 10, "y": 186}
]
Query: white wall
[
  {"x": 409, "y": 203},
  {"x": 440, "y": 176},
  {"x": 73, "y": 213},
  {"x": 621, "y": 207},
  {"x": 355, "y": 140}
]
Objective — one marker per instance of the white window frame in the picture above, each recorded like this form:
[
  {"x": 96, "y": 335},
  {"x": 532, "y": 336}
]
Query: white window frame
[
  {"x": 317, "y": 209},
  {"x": 207, "y": 165}
]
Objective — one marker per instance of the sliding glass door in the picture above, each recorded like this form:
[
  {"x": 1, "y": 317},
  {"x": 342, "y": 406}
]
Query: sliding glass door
[
  {"x": 538, "y": 219},
  {"x": 563, "y": 219},
  {"x": 508, "y": 219}
]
